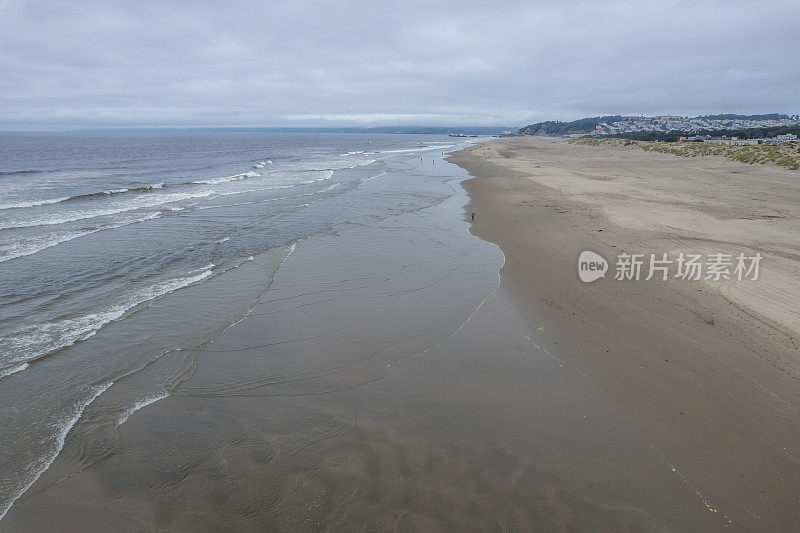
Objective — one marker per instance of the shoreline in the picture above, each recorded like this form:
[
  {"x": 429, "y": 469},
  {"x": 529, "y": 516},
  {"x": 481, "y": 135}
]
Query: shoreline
[
  {"x": 714, "y": 384},
  {"x": 383, "y": 379}
]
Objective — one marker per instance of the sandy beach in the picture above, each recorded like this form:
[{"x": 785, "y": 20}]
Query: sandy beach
[{"x": 708, "y": 369}]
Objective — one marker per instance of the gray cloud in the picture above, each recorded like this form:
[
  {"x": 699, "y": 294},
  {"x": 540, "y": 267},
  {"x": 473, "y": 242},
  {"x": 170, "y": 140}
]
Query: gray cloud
[{"x": 182, "y": 63}]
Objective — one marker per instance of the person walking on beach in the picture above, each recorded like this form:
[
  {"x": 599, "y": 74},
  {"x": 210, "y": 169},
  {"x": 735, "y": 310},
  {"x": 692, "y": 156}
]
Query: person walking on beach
[{"x": 473, "y": 216}]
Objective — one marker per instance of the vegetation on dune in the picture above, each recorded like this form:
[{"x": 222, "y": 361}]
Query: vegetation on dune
[
  {"x": 587, "y": 141},
  {"x": 596, "y": 141},
  {"x": 785, "y": 155}
]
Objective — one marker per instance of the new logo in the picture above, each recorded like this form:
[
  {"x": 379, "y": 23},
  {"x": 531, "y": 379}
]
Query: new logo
[{"x": 591, "y": 266}]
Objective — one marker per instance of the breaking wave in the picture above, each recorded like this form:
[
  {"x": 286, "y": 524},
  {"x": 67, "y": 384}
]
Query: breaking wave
[
  {"x": 138, "y": 405},
  {"x": 41, "y": 465},
  {"x": 46, "y": 337},
  {"x": 32, "y": 245},
  {"x": 224, "y": 179}
]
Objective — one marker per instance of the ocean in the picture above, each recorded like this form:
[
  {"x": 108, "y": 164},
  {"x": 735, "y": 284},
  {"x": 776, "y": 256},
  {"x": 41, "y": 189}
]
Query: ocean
[{"x": 120, "y": 254}]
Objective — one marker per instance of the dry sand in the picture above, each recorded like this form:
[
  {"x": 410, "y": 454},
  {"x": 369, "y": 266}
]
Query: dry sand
[{"x": 710, "y": 370}]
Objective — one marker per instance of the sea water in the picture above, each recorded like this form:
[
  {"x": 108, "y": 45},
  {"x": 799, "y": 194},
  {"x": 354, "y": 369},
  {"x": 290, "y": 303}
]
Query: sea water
[{"x": 122, "y": 253}]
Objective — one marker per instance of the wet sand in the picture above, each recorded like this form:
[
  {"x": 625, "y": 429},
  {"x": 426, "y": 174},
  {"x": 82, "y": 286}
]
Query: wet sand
[
  {"x": 708, "y": 371},
  {"x": 383, "y": 379}
]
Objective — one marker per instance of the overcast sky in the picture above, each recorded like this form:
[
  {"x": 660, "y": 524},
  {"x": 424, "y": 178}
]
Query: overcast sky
[{"x": 87, "y": 63}]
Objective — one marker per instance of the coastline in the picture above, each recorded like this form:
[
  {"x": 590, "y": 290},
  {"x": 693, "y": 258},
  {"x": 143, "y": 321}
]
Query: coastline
[
  {"x": 713, "y": 382},
  {"x": 382, "y": 379}
]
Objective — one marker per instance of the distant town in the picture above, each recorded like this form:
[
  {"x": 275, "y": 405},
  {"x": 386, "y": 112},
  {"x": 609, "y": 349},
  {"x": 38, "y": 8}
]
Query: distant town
[
  {"x": 667, "y": 123},
  {"x": 726, "y": 129}
]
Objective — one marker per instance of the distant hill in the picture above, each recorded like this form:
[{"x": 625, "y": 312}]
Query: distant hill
[{"x": 583, "y": 125}]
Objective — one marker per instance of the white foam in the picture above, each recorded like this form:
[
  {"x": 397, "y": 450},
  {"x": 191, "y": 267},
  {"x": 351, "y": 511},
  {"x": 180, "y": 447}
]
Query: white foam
[
  {"x": 220, "y": 206},
  {"x": 125, "y": 206},
  {"x": 262, "y": 164},
  {"x": 299, "y": 176},
  {"x": 440, "y": 147},
  {"x": 44, "y": 463},
  {"x": 225, "y": 179},
  {"x": 329, "y": 187},
  {"x": 138, "y": 405},
  {"x": 340, "y": 163},
  {"x": 381, "y": 173},
  {"x": 49, "y": 201},
  {"x": 46, "y": 337},
  {"x": 203, "y": 269},
  {"x": 13, "y": 370},
  {"x": 150, "y": 187},
  {"x": 33, "y": 203},
  {"x": 30, "y": 246}
]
